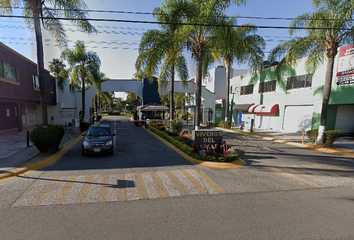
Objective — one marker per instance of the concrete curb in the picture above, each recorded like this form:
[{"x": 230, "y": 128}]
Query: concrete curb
[
  {"x": 34, "y": 167},
  {"x": 326, "y": 150},
  {"x": 235, "y": 164}
]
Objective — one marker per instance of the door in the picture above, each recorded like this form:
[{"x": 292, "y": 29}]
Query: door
[
  {"x": 298, "y": 118},
  {"x": 345, "y": 118}
]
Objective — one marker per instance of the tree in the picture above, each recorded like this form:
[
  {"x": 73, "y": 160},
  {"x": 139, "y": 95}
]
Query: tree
[
  {"x": 196, "y": 27},
  {"x": 84, "y": 68},
  {"x": 328, "y": 27},
  {"x": 96, "y": 81},
  {"x": 57, "y": 68},
  {"x": 39, "y": 12},
  {"x": 163, "y": 48},
  {"x": 240, "y": 45},
  {"x": 133, "y": 99}
]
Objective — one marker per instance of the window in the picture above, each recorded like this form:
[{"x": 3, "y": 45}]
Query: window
[
  {"x": 8, "y": 71},
  {"x": 302, "y": 81},
  {"x": 267, "y": 86},
  {"x": 35, "y": 81},
  {"x": 245, "y": 90},
  {"x": 51, "y": 87}
]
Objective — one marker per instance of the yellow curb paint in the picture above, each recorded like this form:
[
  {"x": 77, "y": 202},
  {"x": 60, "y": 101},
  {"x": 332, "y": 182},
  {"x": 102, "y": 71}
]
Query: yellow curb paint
[
  {"x": 235, "y": 164},
  {"x": 34, "y": 167}
]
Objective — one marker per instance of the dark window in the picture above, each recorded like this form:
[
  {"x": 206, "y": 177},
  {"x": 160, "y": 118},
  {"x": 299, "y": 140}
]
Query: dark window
[
  {"x": 302, "y": 81},
  {"x": 35, "y": 81},
  {"x": 245, "y": 90},
  {"x": 51, "y": 87},
  {"x": 1, "y": 69},
  {"x": 8, "y": 71},
  {"x": 267, "y": 86}
]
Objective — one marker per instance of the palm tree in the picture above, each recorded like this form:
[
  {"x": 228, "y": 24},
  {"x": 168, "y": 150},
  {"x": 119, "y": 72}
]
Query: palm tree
[
  {"x": 164, "y": 49},
  {"x": 198, "y": 23},
  {"x": 240, "y": 45},
  {"x": 96, "y": 82},
  {"x": 84, "y": 66},
  {"x": 57, "y": 68},
  {"x": 39, "y": 12},
  {"x": 327, "y": 28}
]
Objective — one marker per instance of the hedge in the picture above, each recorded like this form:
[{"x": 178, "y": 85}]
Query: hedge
[
  {"x": 47, "y": 139},
  {"x": 330, "y": 136},
  {"x": 190, "y": 151}
]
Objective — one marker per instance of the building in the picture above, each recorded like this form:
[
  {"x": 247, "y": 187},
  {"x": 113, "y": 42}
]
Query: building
[
  {"x": 19, "y": 91},
  {"x": 215, "y": 83},
  {"x": 294, "y": 103}
]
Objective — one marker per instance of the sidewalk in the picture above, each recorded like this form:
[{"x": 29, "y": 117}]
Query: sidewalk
[
  {"x": 14, "y": 150},
  {"x": 345, "y": 144}
]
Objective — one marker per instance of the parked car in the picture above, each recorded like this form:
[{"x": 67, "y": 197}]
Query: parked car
[{"x": 98, "y": 139}]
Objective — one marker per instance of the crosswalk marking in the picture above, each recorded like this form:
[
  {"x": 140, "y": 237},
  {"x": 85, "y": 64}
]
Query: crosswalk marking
[
  {"x": 102, "y": 195},
  {"x": 316, "y": 175},
  {"x": 65, "y": 190},
  {"x": 160, "y": 187},
  {"x": 117, "y": 187},
  {"x": 195, "y": 183},
  {"x": 140, "y": 186}
]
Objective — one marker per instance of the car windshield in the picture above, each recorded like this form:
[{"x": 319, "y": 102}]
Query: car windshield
[{"x": 99, "y": 131}]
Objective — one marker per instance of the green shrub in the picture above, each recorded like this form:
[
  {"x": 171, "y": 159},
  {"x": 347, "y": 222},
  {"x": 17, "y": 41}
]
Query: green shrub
[
  {"x": 157, "y": 123},
  {"x": 47, "y": 139},
  {"x": 312, "y": 135},
  {"x": 175, "y": 126},
  {"x": 190, "y": 150},
  {"x": 330, "y": 136},
  {"x": 225, "y": 124},
  {"x": 84, "y": 126}
]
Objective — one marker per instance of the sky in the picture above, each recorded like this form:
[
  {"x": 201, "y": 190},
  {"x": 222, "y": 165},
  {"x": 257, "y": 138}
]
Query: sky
[{"x": 116, "y": 43}]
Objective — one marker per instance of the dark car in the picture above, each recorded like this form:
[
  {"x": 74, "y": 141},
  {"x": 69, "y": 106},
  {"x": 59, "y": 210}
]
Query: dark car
[{"x": 98, "y": 139}]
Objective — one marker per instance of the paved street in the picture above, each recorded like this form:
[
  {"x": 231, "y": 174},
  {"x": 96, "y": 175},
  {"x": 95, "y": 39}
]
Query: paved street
[{"x": 145, "y": 190}]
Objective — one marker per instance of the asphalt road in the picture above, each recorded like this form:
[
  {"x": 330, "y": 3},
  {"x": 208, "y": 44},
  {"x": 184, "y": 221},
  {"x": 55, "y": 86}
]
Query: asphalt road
[{"x": 145, "y": 190}]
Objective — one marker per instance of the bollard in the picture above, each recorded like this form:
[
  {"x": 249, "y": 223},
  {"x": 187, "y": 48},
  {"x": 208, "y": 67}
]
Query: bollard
[
  {"x": 303, "y": 136},
  {"x": 27, "y": 138}
]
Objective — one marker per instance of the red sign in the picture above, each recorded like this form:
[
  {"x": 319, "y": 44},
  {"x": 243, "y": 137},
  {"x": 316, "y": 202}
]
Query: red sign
[{"x": 345, "y": 70}]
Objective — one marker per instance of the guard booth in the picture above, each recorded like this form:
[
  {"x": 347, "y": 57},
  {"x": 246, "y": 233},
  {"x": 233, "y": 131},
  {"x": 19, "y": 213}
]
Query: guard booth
[{"x": 151, "y": 111}]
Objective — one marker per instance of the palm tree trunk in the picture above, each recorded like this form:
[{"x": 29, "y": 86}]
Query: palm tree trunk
[
  {"x": 83, "y": 94},
  {"x": 99, "y": 103},
  {"x": 325, "y": 101},
  {"x": 172, "y": 90},
  {"x": 198, "y": 92},
  {"x": 96, "y": 103},
  {"x": 40, "y": 66}
]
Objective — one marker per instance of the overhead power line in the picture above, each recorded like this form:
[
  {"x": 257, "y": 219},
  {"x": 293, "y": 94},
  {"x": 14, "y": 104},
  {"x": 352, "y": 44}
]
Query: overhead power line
[
  {"x": 185, "y": 24},
  {"x": 148, "y": 13}
]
